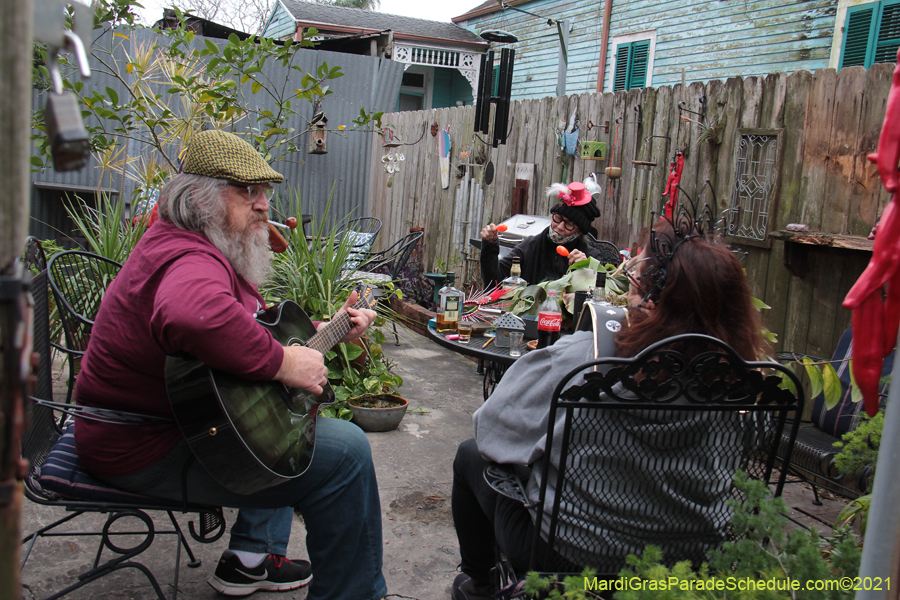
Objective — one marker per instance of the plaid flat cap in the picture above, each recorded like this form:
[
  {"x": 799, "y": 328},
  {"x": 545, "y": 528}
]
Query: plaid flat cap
[{"x": 224, "y": 155}]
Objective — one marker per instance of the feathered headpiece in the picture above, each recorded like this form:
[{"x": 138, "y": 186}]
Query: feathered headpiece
[
  {"x": 576, "y": 204},
  {"x": 573, "y": 194}
]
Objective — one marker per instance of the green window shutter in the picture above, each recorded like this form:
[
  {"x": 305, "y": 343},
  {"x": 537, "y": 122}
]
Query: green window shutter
[
  {"x": 888, "y": 36},
  {"x": 631, "y": 65},
  {"x": 640, "y": 54},
  {"x": 621, "y": 74},
  {"x": 495, "y": 80},
  {"x": 858, "y": 32}
]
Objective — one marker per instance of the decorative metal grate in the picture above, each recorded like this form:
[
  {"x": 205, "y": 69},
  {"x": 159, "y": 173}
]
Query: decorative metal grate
[{"x": 755, "y": 176}]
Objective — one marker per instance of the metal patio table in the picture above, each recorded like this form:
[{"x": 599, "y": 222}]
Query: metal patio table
[{"x": 496, "y": 360}]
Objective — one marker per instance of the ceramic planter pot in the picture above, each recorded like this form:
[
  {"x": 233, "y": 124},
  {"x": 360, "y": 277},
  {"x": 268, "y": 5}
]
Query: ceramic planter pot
[{"x": 378, "y": 413}]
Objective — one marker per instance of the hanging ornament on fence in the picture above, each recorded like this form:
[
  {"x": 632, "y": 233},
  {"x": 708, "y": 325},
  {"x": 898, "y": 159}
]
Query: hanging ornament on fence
[{"x": 394, "y": 157}]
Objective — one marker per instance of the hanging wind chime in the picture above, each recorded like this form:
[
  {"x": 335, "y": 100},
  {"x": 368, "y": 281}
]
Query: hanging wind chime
[{"x": 393, "y": 158}]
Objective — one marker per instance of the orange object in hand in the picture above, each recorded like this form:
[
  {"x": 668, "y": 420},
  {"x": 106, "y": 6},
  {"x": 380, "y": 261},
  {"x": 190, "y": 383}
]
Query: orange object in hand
[
  {"x": 562, "y": 251},
  {"x": 502, "y": 228}
]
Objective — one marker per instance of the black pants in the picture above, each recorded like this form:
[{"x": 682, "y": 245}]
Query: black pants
[{"x": 484, "y": 518}]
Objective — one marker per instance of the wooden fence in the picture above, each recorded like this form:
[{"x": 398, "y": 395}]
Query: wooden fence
[{"x": 783, "y": 149}]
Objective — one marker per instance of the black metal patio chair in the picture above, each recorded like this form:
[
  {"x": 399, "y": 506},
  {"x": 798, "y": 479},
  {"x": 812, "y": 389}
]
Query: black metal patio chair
[
  {"x": 56, "y": 478},
  {"x": 360, "y": 234},
  {"x": 385, "y": 266},
  {"x": 78, "y": 280},
  {"x": 813, "y": 456},
  {"x": 609, "y": 252},
  {"x": 640, "y": 440},
  {"x": 35, "y": 258}
]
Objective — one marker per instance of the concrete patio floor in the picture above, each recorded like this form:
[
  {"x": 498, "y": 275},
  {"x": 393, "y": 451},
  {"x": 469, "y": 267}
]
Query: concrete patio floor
[{"x": 414, "y": 467}]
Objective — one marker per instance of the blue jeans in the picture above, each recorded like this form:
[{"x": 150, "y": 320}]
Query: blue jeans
[{"x": 337, "y": 497}]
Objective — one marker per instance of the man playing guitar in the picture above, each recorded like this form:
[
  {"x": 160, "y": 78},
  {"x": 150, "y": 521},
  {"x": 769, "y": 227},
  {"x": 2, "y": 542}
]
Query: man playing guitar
[{"x": 190, "y": 287}]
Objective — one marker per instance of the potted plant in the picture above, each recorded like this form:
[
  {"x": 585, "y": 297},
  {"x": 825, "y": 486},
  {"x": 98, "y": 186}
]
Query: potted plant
[{"x": 365, "y": 385}]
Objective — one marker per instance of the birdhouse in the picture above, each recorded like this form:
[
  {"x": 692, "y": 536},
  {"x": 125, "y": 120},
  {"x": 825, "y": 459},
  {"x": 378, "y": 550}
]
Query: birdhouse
[
  {"x": 503, "y": 325},
  {"x": 317, "y": 134}
]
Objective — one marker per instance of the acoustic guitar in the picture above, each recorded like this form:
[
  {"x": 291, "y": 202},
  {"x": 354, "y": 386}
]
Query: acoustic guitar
[{"x": 251, "y": 435}]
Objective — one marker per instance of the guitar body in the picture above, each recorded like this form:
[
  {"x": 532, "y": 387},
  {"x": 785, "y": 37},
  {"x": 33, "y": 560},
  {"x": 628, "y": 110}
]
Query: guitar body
[{"x": 250, "y": 435}]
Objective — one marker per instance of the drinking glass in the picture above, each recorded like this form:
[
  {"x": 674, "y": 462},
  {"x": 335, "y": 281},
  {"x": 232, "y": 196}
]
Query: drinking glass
[
  {"x": 515, "y": 342},
  {"x": 465, "y": 332}
]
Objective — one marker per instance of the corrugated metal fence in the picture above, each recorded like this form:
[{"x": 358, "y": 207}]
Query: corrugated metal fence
[{"x": 368, "y": 82}]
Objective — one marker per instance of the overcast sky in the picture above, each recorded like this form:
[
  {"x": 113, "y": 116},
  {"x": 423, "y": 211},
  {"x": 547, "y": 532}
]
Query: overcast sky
[{"x": 433, "y": 10}]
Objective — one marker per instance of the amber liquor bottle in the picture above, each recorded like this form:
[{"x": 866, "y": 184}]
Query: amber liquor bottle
[{"x": 450, "y": 302}]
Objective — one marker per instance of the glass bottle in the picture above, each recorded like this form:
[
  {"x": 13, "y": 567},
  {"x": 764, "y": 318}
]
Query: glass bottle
[
  {"x": 549, "y": 320},
  {"x": 449, "y": 306},
  {"x": 514, "y": 281},
  {"x": 597, "y": 298},
  {"x": 598, "y": 292}
]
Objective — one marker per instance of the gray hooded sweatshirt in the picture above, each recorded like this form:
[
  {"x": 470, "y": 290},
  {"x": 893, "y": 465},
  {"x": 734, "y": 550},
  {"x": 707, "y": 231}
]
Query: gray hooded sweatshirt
[{"x": 628, "y": 506}]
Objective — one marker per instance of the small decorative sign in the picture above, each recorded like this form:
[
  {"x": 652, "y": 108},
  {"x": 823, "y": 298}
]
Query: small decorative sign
[{"x": 593, "y": 150}]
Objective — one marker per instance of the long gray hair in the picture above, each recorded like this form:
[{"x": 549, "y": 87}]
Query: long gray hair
[
  {"x": 195, "y": 203},
  {"x": 192, "y": 202}
]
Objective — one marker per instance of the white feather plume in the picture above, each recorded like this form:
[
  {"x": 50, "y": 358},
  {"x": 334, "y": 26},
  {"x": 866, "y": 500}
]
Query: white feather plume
[{"x": 555, "y": 188}]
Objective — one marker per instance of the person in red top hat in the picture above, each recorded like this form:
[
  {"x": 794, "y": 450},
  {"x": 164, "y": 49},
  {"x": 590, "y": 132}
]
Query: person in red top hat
[{"x": 572, "y": 219}]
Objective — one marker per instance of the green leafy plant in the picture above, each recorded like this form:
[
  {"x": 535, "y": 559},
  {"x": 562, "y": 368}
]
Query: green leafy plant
[
  {"x": 859, "y": 447},
  {"x": 764, "y": 552},
  {"x": 105, "y": 228},
  {"x": 311, "y": 273},
  {"x": 859, "y": 454}
]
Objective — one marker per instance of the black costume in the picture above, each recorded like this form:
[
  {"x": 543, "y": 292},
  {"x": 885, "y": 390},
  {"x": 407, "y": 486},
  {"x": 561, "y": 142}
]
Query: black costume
[{"x": 537, "y": 255}]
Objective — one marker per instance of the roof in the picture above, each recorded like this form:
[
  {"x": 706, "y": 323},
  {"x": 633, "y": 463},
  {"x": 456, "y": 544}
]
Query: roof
[
  {"x": 199, "y": 25},
  {"x": 485, "y": 8},
  {"x": 324, "y": 16}
]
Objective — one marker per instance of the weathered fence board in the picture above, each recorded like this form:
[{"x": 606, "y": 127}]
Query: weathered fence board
[{"x": 826, "y": 123}]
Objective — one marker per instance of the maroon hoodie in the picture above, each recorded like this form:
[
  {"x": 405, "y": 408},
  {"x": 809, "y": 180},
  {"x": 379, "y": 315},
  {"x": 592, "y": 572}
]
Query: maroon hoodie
[{"x": 175, "y": 293}]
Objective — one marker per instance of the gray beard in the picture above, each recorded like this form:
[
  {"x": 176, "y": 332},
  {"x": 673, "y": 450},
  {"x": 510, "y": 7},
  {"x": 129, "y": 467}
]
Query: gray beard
[{"x": 248, "y": 253}]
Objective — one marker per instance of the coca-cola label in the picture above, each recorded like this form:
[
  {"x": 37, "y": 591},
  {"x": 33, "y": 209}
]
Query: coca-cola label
[{"x": 549, "y": 321}]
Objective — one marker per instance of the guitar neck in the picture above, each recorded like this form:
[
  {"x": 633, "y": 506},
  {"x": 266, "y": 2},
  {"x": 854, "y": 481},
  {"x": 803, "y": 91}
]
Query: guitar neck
[{"x": 328, "y": 336}]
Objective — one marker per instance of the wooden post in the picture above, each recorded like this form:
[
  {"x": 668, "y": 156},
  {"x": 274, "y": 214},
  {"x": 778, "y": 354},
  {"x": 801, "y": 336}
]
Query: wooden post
[{"x": 15, "y": 127}]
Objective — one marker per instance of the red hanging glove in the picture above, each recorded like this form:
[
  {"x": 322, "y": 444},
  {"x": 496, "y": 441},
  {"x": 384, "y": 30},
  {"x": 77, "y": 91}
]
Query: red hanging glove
[
  {"x": 676, "y": 168},
  {"x": 875, "y": 322},
  {"x": 868, "y": 345}
]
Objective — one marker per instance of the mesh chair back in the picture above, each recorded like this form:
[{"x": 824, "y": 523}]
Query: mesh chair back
[
  {"x": 79, "y": 281},
  {"x": 38, "y": 439},
  {"x": 645, "y": 451}
]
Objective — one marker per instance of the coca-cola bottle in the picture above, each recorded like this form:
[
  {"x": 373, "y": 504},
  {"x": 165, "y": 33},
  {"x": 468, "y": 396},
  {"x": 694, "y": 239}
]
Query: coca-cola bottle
[{"x": 549, "y": 320}]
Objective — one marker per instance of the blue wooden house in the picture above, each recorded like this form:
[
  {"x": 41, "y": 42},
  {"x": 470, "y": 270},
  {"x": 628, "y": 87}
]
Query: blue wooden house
[
  {"x": 624, "y": 44},
  {"x": 441, "y": 60}
]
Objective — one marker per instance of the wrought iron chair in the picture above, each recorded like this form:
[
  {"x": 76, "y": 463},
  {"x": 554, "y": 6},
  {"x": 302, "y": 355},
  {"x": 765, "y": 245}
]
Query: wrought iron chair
[
  {"x": 56, "y": 478},
  {"x": 35, "y": 258},
  {"x": 813, "y": 457},
  {"x": 648, "y": 447},
  {"x": 609, "y": 252},
  {"x": 360, "y": 233},
  {"x": 78, "y": 280},
  {"x": 385, "y": 266}
]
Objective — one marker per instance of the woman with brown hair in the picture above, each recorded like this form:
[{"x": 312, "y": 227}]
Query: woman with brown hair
[{"x": 684, "y": 281}]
